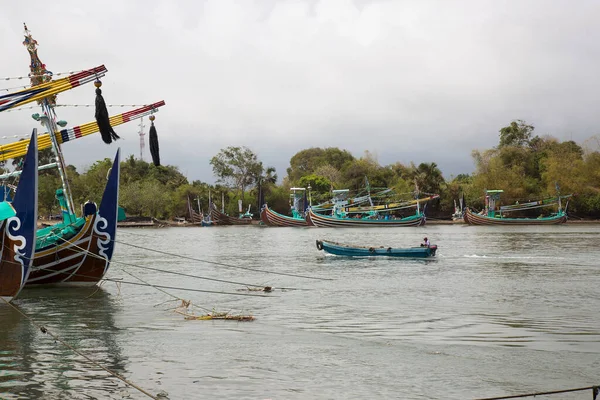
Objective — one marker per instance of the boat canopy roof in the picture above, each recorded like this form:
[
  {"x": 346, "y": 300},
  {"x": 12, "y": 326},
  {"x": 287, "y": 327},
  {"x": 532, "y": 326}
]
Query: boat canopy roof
[{"x": 6, "y": 211}]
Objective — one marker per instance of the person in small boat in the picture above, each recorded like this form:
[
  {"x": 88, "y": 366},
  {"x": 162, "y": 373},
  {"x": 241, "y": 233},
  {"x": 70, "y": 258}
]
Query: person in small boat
[{"x": 425, "y": 242}]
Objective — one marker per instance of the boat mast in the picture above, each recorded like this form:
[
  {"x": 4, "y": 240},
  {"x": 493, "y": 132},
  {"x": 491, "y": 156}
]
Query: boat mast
[
  {"x": 558, "y": 195},
  {"x": 39, "y": 75},
  {"x": 417, "y": 197}
]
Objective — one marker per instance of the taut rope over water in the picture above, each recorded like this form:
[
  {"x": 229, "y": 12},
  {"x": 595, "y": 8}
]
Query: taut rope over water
[
  {"x": 223, "y": 264},
  {"x": 595, "y": 390}
]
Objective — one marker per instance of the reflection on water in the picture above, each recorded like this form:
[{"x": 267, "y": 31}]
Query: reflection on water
[
  {"x": 499, "y": 311},
  {"x": 34, "y": 365}
]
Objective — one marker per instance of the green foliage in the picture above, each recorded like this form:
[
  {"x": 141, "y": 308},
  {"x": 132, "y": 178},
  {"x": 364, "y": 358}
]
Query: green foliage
[
  {"x": 318, "y": 184},
  {"x": 306, "y": 162},
  {"x": 518, "y": 134},
  {"x": 237, "y": 166},
  {"x": 278, "y": 199}
]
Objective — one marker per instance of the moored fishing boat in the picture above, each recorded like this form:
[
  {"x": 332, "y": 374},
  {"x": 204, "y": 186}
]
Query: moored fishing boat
[
  {"x": 491, "y": 215},
  {"x": 273, "y": 218},
  {"x": 298, "y": 205},
  {"x": 348, "y": 250},
  {"x": 328, "y": 221},
  {"x": 220, "y": 218},
  {"x": 353, "y": 216},
  {"x": 18, "y": 230},
  {"x": 78, "y": 250}
]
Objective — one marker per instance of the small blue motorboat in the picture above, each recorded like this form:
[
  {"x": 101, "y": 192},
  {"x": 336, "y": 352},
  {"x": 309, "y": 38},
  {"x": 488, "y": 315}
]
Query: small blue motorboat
[{"x": 340, "y": 249}]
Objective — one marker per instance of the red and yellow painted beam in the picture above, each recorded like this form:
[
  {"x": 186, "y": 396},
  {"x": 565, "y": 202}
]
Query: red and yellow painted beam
[
  {"x": 12, "y": 100},
  {"x": 18, "y": 149}
]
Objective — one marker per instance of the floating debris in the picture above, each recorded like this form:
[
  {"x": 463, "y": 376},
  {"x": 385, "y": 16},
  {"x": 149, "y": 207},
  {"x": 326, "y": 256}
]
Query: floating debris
[
  {"x": 184, "y": 309},
  {"x": 266, "y": 289}
]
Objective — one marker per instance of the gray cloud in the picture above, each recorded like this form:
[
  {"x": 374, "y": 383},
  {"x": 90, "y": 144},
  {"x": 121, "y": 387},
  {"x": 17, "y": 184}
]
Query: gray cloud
[{"x": 408, "y": 81}]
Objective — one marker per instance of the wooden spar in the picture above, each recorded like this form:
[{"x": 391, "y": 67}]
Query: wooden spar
[
  {"x": 22, "y": 97},
  {"x": 18, "y": 149},
  {"x": 17, "y": 173}
]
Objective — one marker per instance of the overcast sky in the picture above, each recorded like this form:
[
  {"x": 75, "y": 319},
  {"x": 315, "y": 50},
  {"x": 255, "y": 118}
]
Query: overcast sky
[{"x": 422, "y": 81}]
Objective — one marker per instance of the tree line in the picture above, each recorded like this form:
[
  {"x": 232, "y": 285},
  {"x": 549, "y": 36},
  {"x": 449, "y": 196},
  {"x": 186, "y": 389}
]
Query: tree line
[{"x": 524, "y": 165}]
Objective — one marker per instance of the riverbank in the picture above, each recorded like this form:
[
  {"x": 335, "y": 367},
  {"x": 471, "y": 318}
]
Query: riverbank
[{"x": 155, "y": 223}]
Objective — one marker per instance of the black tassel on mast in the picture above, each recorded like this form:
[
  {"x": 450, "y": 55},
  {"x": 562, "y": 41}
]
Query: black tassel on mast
[
  {"x": 102, "y": 118},
  {"x": 154, "y": 143}
]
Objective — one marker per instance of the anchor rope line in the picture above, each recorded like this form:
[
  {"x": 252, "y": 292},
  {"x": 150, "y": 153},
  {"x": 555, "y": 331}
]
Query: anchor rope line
[
  {"x": 29, "y": 76},
  {"x": 223, "y": 264},
  {"x": 93, "y": 255},
  {"x": 164, "y": 291},
  {"x": 595, "y": 390},
  {"x": 74, "y": 105},
  {"x": 180, "y": 288},
  {"x": 145, "y": 283},
  {"x": 97, "y": 364}
]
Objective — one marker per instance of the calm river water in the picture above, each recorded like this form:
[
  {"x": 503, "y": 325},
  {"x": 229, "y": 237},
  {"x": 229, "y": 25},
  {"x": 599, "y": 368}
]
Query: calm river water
[{"x": 499, "y": 311}]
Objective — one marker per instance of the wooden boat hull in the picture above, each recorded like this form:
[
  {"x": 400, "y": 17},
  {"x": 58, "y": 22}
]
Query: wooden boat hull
[
  {"x": 340, "y": 249},
  {"x": 18, "y": 232},
  {"x": 82, "y": 259},
  {"x": 476, "y": 219},
  {"x": 273, "y": 218},
  {"x": 325, "y": 221},
  {"x": 218, "y": 218}
]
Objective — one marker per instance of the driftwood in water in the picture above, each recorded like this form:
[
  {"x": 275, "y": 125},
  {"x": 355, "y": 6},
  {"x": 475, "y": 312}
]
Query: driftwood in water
[{"x": 185, "y": 305}]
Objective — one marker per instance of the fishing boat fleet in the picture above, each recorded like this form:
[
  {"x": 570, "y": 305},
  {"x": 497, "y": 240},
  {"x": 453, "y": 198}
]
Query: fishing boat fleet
[
  {"x": 344, "y": 212},
  {"x": 78, "y": 250}
]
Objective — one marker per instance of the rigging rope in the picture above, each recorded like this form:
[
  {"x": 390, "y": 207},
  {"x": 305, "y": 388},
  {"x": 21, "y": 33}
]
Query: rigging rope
[
  {"x": 77, "y": 105},
  {"x": 595, "y": 390},
  {"x": 90, "y": 254},
  {"x": 172, "y": 272},
  {"x": 58, "y": 339},
  {"x": 29, "y": 76},
  {"x": 223, "y": 264}
]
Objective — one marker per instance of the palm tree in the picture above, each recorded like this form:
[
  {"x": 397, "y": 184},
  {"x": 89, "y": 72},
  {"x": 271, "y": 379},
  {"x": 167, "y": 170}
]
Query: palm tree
[
  {"x": 428, "y": 177},
  {"x": 266, "y": 177}
]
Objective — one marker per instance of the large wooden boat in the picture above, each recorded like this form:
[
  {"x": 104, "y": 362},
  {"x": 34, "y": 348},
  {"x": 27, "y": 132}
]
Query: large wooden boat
[
  {"x": 78, "y": 253},
  {"x": 332, "y": 221},
  {"x": 273, "y": 218},
  {"x": 78, "y": 250},
  {"x": 18, "y": 232},
  {"x": 298, "y": 205},
  {"x": 492, "y": 215},
  {"x": 220, "y": 218},
  {"x": 348, "y": 250},
  {"x": 478, "y": 219},
  {"x": 383, "y": 215}
]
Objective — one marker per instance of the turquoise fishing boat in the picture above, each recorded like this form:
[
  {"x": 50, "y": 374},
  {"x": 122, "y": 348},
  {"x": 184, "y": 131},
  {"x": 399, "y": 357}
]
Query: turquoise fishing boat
[
  {"x": 348, "y": 250},
  {"x": 493, "y": 215}
]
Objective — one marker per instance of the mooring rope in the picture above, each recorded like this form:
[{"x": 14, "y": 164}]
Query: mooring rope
[
  {"x": 180, "y": 288},
  {"x": 58, "y": 339},
  {"x": 144, "y": 282},
  {"x": 171, "y": 272},
  {"x": 595, "y": 390},
  {"x": 223, "y": 264},
  {"x": 151, "y": 284}
]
